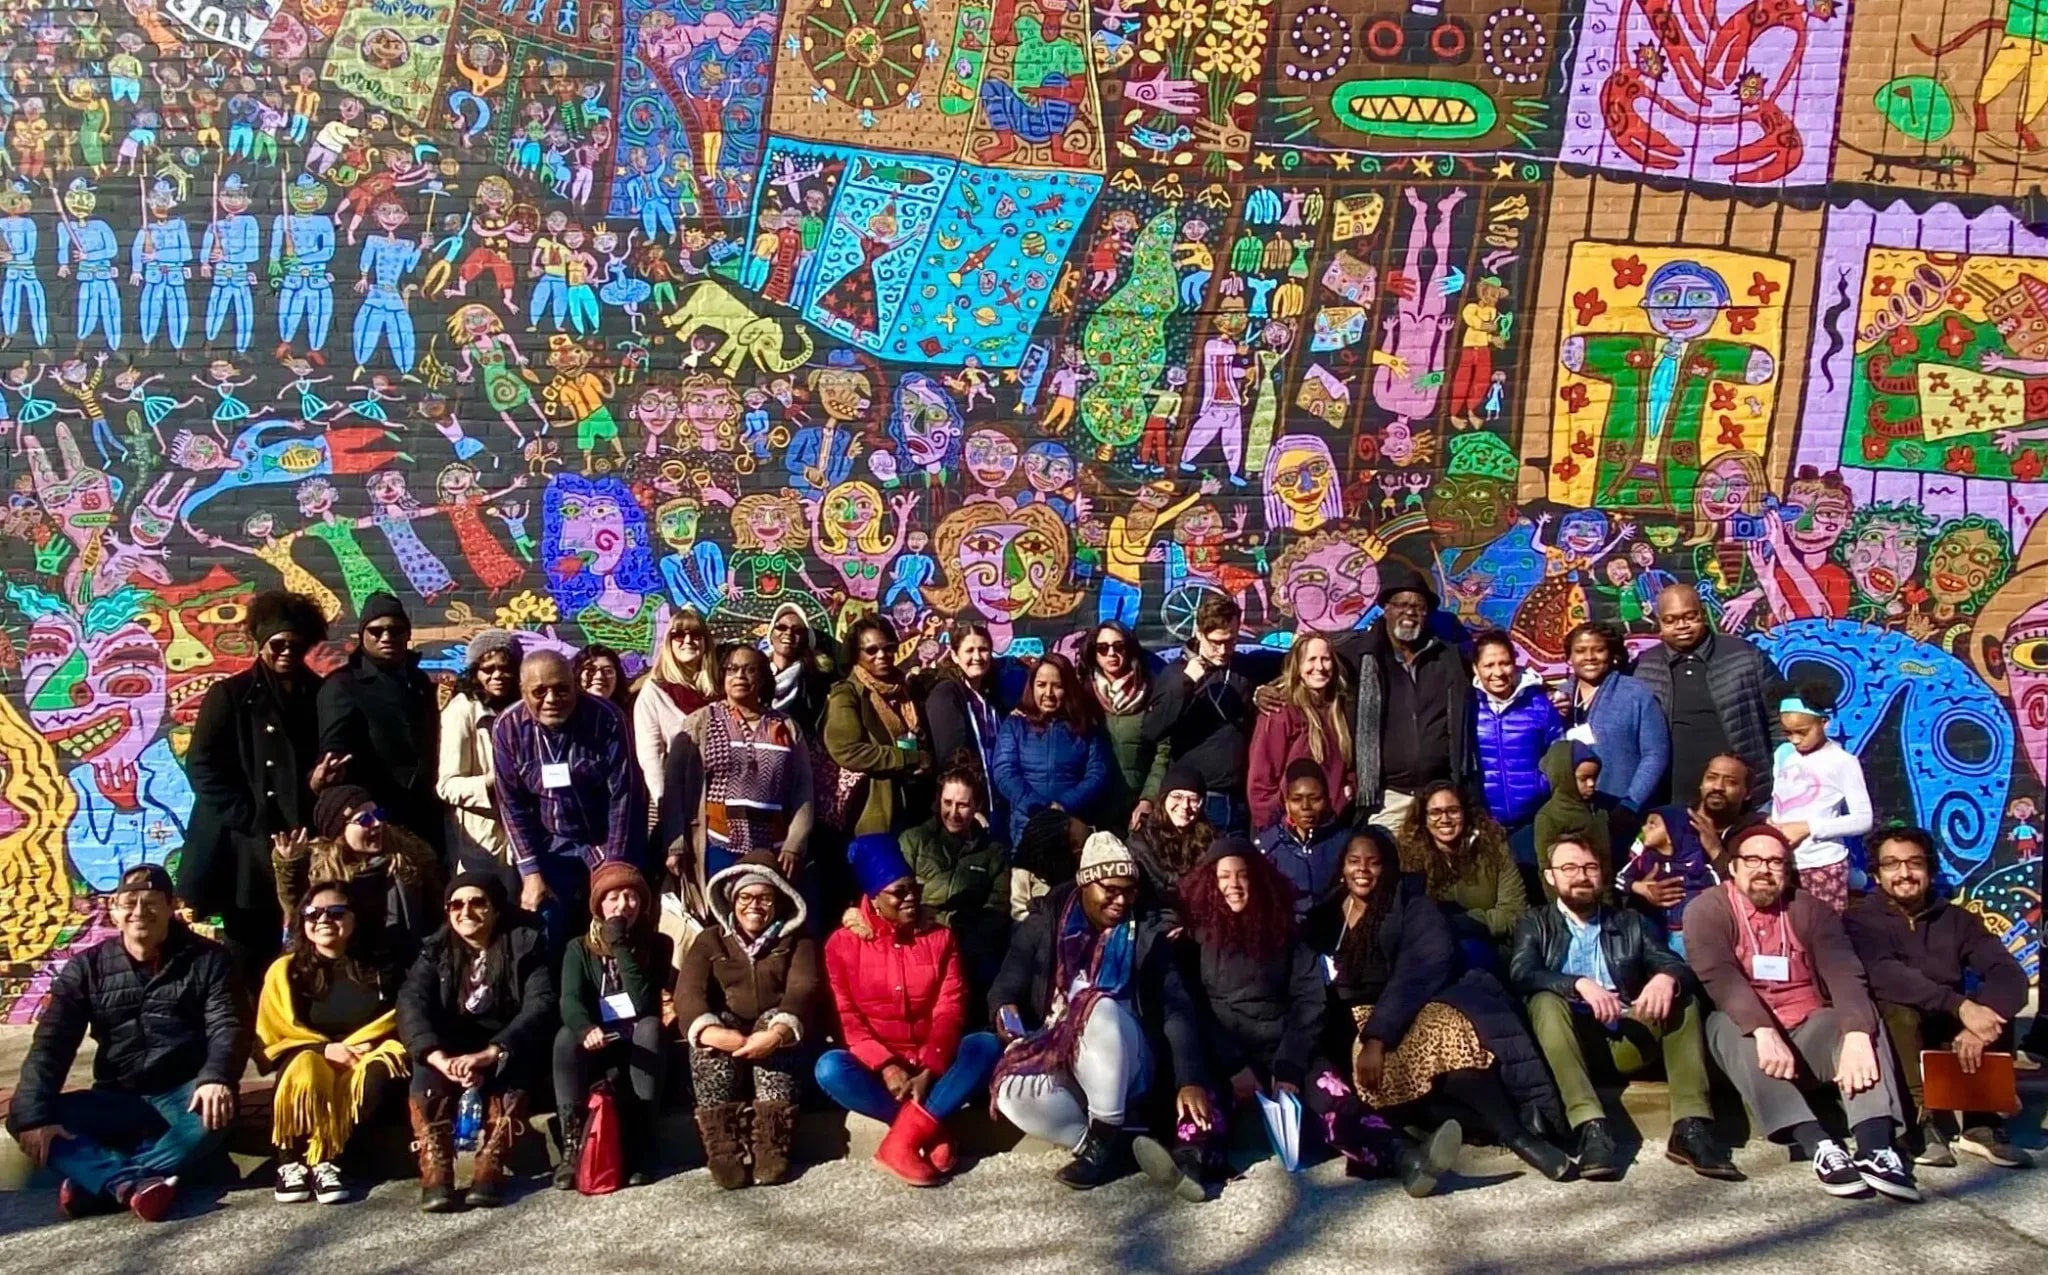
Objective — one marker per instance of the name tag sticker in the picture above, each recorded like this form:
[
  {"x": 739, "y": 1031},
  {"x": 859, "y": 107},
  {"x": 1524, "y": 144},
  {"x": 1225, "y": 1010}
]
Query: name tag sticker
[
  {"x": 554, "y": 774},
  {"x": 1770, "y": 969},
  {"x": 617, "y": 1008}
]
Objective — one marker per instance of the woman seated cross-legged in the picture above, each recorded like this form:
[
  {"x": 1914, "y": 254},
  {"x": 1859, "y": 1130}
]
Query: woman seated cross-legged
[
  {"x": 612, "y": 979},
  {"x": 327, "y": 1022},
  {"x": 902, "y": 995}
]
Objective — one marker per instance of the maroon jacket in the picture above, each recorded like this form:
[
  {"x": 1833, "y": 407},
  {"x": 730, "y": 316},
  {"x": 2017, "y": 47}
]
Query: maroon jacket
[
  {"x": 1710, "y": 950},
  {"x": 1918, "y": 961}
]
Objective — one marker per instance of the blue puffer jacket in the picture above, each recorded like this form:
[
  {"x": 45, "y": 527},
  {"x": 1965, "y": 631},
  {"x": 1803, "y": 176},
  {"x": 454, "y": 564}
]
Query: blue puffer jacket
[
  {"x": 1512, "y": 741},
  {"x": 1037, "y": 766}
]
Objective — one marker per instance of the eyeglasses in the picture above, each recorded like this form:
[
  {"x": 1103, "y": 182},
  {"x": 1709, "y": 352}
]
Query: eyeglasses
[
  {"x": 554, "y": 690},
  {"x": 1761, "y": 862},
  {"x": 1575, "y": 869},
  {"x": 908, "y": 890},
  {"x": 874, "y": 650},
  {"x": 739, "y": 668},
  {"x": 691, "y": 636},
  {"x": 1415, "y": 605},
  {"x": 470, "y": 907},
  {"x": 1893, "y": 865},
  {"x": 754, "y": 901},
  {"x": 1111, "y": 648},
  {"x": 134, "y": 900},
  {"x": 369, "y": 818},
  {"x": 332, "y": 913},
  {"x": 1445, "y": 814}
]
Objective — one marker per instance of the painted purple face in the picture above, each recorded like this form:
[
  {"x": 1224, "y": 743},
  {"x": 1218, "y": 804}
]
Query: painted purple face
[{"x": 98, "y": 699}]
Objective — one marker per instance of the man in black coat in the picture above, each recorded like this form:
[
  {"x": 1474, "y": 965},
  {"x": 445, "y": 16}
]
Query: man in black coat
[
  {"x": 1600, "y": 979},
  {"x": 1714, "y": 689},
  {"x": 1941, "y": 981},
  {"x": 380, "y": 712},
  {"x": 173, "y": 1040},
  {"x": 1414, "y": 723},
  {"x": 255, "y": 763},
  {"x": 1092, "y": 1011}
]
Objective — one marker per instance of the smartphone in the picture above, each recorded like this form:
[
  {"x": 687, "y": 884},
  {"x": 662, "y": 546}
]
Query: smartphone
[{"x": 1010, "y": 1021}]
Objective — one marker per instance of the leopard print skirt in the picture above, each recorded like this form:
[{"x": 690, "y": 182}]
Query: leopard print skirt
[{"x": 1439, "y": 1040}]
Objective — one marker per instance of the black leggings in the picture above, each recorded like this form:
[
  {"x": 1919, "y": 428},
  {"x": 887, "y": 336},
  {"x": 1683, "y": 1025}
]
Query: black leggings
[
  {"x": 1469, "y": 1094},
  {"x": 440, "y": 1095},
  {"x": 636, "y": 1053}
]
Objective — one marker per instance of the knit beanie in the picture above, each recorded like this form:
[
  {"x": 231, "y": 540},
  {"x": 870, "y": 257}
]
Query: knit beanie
[
  {"x": 331, "y": 807},
  {"x": 617, "y": 874},
  {"x": 1181, "y": 777},
  {"x": 379, "y": 606},
  {"x": 877, "y": 862},
  {"x": 488, "y": 882},
  {"x": 490, "y": 642},
  {"x": 1105, "y": 858}
]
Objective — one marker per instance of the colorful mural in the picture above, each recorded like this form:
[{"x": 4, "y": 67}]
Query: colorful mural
[{"x": 563, "y": 314}]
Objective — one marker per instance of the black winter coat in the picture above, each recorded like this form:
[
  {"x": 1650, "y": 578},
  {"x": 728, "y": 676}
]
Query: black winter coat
[
  {"x": 1369, "y": 650},
  {"x": 385, "y": 719},
  {"x": 521, "y": 1019},
  {"x": 1416, "y": 944},
  {"x": 1205, "y": 724},
  {"x": 1635, "y": 954},
  {"x": 1921, "y": 962},
  {"x": 1739, "y": 677},
  {"x": 253, "y": 747},
  {"x": 185, "y": 1022},
  {"x": 1269, "y": 1013},
  {"x": 1159, "y": 995}
]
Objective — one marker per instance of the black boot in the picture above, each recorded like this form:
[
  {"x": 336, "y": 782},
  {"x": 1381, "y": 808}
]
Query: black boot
[
  {"x": 1178, "y": 1170},
  {"x": 569, "y": 1122},
  {"x": 1599, "y": 1157},
  {"x": 1096, "y": 1159},
  {"x": 1540, "y": 1155},
  {"x": 1424, "y": 1165},
  {"x": 636, "y": 1142}
]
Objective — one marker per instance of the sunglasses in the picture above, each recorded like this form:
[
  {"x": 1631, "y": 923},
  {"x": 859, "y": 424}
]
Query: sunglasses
[
  {"x": 387, "y": 630},
  {"x": 334, "y": 913},
  {"x": 470, "y": 907},
  {"x": 688, "y": 635},
  {"x": 1111, "y": 648},
  {"x": 369, "y": 818},
  {"x": 874, "y": 650},
  {"x": 789, "y": 627},
  {"x": 286, "y": 646}
]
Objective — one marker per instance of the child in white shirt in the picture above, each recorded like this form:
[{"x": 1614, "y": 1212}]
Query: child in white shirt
[{"x": 1817, "y": 795}]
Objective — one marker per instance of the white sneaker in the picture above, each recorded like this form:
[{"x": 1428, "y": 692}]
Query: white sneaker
[
  {"x": 292, "y": 1185},
  {"x": 327, "y": 1184},
  {"x": 1886, "y": 1172}
]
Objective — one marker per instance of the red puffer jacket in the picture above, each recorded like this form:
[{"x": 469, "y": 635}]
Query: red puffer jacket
[{"x": 901, "y": 997}]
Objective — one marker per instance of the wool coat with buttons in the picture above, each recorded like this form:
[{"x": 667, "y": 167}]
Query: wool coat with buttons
[{"x": 253, "y": 747}]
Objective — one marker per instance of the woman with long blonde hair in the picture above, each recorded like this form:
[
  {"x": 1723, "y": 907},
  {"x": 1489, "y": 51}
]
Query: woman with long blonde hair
[
  {"x": 678, "y": 685},
  {"x": 1312, "y": 721}
]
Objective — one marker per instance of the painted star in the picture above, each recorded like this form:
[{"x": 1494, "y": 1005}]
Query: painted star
[
  {"x": 1264, "y": 159},
  {"x": 1422, "y": 166},
  {"x": 1341, "y": 161},
  {"x": 948, "y": 319},
  {"x": 1504, "y": 170}
]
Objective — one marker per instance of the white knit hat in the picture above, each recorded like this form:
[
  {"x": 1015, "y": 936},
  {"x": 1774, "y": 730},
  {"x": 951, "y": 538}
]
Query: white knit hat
[{"x": 1103, "y": 857}]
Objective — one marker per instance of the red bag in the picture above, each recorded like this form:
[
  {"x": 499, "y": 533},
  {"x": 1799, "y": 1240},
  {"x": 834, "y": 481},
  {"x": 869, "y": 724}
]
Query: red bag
[{"x": 601, "y": 1169}]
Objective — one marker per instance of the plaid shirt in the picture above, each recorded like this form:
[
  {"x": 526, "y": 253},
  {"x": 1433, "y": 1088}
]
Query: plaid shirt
[{"x": 597, "y": 816}]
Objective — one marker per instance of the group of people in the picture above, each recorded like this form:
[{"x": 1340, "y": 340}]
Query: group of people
[{"x": 1406, "y": 885}]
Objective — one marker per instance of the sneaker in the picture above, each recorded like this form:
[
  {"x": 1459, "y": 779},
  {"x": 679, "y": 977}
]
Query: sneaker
[
  {"x": 1886, "y": 1172},
  {"x": 327, "y": 1184},
  {"x": 1934, "y": 1147},
  {"x": 1836, "y": 1171},
  {"x": 2026, "y": 1060},
  {"x": 152, "y": 1198},
  {"x": 292, "y": 1184},
  {"x": 74, "y": 1201},
  {"x": 1987, "y": 1142}
]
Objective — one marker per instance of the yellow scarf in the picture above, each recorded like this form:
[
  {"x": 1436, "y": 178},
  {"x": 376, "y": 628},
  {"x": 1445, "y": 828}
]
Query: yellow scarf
[{"x": 315, "y": 1099}]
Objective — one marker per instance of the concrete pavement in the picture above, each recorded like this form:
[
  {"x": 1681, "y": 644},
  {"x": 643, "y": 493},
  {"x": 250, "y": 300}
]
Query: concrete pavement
[{"x": 1006, "y": 1212}]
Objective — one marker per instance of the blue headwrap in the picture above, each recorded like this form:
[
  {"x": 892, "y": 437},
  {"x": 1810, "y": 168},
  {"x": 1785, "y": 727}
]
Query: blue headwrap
[{"x": 877, "y": 862}]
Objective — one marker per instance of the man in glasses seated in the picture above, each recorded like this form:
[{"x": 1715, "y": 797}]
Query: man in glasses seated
[
  {"x": 1792, "y": 1013},
  {"x": 570, "y": 792},
  {"x": 255, "y": 763},
  {"x": 381, "y": 711},
  {"x": 1923, "y": 955},
  {"x": 1602, "y": 984},
  {"x": 172, "y": 1041}
]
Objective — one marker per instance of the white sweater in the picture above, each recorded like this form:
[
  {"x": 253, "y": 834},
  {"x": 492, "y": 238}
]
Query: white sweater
[{"x": 1824, "y": 790}]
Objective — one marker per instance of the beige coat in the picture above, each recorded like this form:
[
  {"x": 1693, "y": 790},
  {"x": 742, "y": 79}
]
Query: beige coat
[{"x": 465, "y": 780}]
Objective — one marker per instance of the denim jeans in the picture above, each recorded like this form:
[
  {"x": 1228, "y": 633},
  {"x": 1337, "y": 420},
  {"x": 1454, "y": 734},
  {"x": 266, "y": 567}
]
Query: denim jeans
[
  {"x": 847, "y": 1081},
  {"x": 1227, "y": 812},
  {"x": 119, "y": 1139}
]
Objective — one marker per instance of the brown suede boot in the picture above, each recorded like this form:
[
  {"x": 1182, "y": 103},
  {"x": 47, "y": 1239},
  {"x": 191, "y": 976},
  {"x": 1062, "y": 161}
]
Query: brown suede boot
[
  {"x": 504, "y": 1116},
  {"x": 774, "y": 1131},
  {"x": 435, "y": 1142},
  {"x": 725, "y": 1154}
]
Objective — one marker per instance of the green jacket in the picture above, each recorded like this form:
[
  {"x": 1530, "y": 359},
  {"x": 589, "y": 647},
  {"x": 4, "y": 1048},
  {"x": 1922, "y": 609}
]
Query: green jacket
[
  {"x": 1567, "y": 814},
  {"x": 1139, "y": 768},
  {"x": 583, "y": 990},
  {"x": 856, "y": 740},
  {"x": 966, "y": 884}
]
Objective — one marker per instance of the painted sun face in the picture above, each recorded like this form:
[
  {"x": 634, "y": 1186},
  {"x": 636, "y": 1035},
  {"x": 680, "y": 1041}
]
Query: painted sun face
[
  {"x": 990, "y": 457},
  {"x": 1960, "y": 564},
  {"x": 99, "y": 700},
  {"x": 1332, "y": 588},
  {"x": 594, "y": 529},
  {"x": 1882, "y": 559},
  {"x": 1004, "y": 567}
]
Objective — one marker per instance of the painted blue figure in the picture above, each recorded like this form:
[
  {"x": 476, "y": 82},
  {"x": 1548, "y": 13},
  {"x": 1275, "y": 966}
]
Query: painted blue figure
[
  {"x": 822, "y": 449},
  {"x": 301, "y": 263},
  {"x": 20, "y": 287},
  {"x": 228, "y": 256},
  {"x": 387, "y": 259},
  {"x": 643, "y": 191},
  {"x": 160, "y": 260},
  {"x": 912, "y": 571},
  {"x": 92, "y": 242}
]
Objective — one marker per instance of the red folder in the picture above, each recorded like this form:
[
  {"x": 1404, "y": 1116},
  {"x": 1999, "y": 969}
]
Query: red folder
[{"x": 1994, "y": 1088}]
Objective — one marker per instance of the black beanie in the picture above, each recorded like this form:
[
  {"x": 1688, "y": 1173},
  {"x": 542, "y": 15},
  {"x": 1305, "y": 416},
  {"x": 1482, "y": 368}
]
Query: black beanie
[
  {"x": 380, "y": 606},
  {"x": 1181, "y": 777},
  {"x": 331, "y": 807}
]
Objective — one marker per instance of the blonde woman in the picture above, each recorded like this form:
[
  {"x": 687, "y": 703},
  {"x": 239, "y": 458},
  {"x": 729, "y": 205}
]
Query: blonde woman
[
  {"x": 678, "y": 685},
  {"x": 1313, "y": 720}
]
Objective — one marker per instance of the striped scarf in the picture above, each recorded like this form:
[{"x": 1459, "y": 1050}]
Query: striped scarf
[{"x": 746, "y": 771}]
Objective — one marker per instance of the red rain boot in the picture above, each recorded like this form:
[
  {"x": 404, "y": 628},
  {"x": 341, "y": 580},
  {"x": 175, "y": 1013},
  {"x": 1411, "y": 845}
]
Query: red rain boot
[{"x": 898, "y": 1153}]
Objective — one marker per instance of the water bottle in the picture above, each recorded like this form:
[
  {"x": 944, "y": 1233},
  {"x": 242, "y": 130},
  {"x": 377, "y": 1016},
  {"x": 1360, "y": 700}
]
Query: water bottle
[{"x": 469, "y": 1119}]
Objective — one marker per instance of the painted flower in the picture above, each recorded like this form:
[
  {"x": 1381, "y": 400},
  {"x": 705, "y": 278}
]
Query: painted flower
[
  {"x": 1574, "y": 396},
  {"x": 1628, "y": 271},
  {"x": 1954, "y": 338},
  {"x": 2027, "y": 465},
  {"x": 1649, "y": 60},
  {"x": 1566, "y": 469},
  {"x": 1960, "y": 459},
  {"x": 1902, "y": 342},
  {"x": 1761, "y": 288},
  {"x": 1589, "y": 305},
  {"x": 1741, "y": 318}
]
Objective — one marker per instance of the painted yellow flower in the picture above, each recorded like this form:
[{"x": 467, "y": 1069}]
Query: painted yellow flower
[
  {"x": 1214, "y": 54},
  {"x": 526, "y": 609}
]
